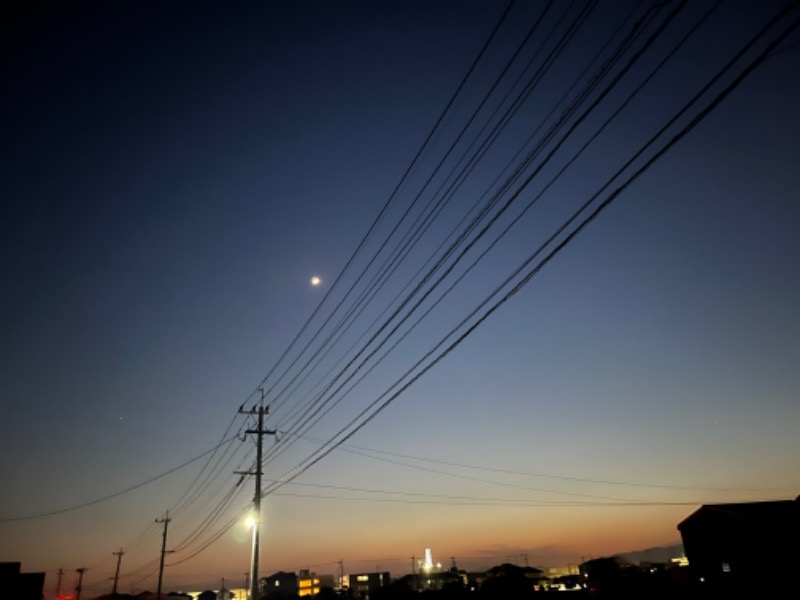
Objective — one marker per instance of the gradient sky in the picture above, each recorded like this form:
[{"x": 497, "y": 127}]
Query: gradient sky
[{"x": 175, "y": 173}]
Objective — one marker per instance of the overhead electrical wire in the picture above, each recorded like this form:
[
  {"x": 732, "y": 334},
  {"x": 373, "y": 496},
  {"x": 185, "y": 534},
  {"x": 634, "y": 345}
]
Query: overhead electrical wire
[
  {"x": 462, "y": 497},
  {"x": 211, "y": 477},
  {"x": 374, "y": 336},
  {"x": 410, "y": 377},
  {"x": 204, "y": 535},
  {"x": 118, "y": 493},
  {"x": 461, "y": 177},
  {"x": 374, "y": 409},
  {"x": 302, "y": 467},
  {"x": 278, "y": 399},
  {"x": 190, "y": 492},
  {"x": 412, "y": 236},
  {"x": 476, "y": 317},
  {"x": 595, "y": 81},
  {"x": 215, "y": 536},
  {"x": 277, "y": 405},
  {"x": 391, "y": 457},
  {"x": 382, "y": 212},
  {"x": 570, "y": 32},
  {"x": 499, "y": 502}
]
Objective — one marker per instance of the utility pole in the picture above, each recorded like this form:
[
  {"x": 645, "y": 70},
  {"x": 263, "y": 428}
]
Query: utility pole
[
  {"x": 116, "y": 575},
  {"x": 247, "y": 583},
  {"x": 80, "y": 583},
  {"x": 341, "y": 574},
  {"x": 165, "y": 521},
  {"x": 260, "y": 432},
  {"x": 58, "y": 583}
]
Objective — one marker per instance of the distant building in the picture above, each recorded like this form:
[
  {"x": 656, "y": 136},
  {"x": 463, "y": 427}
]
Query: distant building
[
  {"x": 510, "y": 581},
  {"x": 362, "y": 585},
  {"x": 728, "y": 544},
  {"x": 434, "y": 581},
  {"x": 509, "y": 570},
  {"x": 310, "y": 584},
  {"x": 16, "y": 585},
  {"x": 279, "y": 584},
  {"x": 553, "y": 572}
]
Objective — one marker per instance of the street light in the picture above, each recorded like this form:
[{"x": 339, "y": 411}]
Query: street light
[{"x": 252, "y": 523}]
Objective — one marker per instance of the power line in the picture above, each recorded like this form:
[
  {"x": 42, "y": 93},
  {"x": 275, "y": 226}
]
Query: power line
[
  {"x": 380, "y": 214},
  {"x": 623, "y": 46},
  {"x": 500, "y": 502},
  {"x": 370, "y": 453},
  {"x": 116, "y": 494},
  {"x": 626, "y": 43},
  {"x": 377, "y": 406}
]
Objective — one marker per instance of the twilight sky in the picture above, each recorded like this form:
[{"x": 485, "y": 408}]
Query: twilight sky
[{"x": 469, "y": 375}]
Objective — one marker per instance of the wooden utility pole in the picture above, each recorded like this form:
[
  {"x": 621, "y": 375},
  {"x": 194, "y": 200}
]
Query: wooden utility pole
[
  {"x": 165, "y": 521},
  {"x": 260, "y": 432},
  {"x": 58, "y": 583},
  {"x": 116, "y": 574},
  {"x": 80, "y": 583}
]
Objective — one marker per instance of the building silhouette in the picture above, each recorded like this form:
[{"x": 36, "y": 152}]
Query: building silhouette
[
  {"x": 729, "y": 546},
  {"x": 16, "y": 585}
]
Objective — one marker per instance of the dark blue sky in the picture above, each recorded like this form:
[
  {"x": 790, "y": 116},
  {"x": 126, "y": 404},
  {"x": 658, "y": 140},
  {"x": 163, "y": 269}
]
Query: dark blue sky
[{"x": 175, "y": 173}]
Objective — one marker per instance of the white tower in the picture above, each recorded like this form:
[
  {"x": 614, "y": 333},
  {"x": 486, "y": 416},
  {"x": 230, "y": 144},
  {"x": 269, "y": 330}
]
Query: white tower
[{"x": 427, "y": 564}]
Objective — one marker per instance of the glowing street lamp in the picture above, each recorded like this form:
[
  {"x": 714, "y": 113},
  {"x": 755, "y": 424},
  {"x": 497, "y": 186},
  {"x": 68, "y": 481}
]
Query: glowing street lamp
[{"x": 252, "y": 523}]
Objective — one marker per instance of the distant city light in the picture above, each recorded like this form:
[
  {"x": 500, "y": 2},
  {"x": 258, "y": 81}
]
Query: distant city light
[{"x": 427, "y": 564}]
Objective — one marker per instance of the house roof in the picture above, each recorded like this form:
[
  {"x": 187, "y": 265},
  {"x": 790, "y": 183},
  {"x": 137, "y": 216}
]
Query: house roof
[{"x": 776, "y": 510}]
